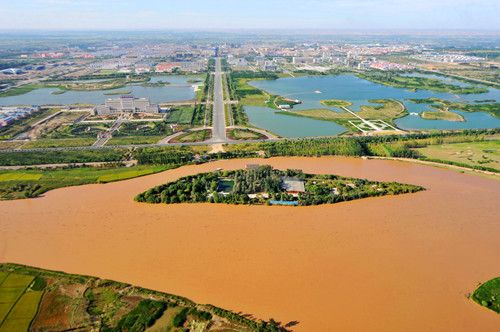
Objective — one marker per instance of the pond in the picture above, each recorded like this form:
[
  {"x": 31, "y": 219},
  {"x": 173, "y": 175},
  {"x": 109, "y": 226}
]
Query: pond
[
  {"x": 155, "y": 94},
  {"x": 358, "y": 91}
]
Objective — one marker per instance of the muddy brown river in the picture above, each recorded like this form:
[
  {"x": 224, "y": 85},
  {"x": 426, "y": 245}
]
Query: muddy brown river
[{"x": 395, "y": 263}]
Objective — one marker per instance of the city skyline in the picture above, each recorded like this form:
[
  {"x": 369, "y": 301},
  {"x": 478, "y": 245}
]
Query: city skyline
[{"x": 227, "y": 15}]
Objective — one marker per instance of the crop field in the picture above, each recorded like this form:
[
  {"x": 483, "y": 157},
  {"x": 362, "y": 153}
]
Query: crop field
[
  {"x": 123, "y": 176},
  {"x": 19, "y": 176},
  {"x": 17, "y": 307}
]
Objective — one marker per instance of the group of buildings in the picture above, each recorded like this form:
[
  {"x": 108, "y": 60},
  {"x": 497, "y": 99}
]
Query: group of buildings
[{"x": 11, "y": 114}]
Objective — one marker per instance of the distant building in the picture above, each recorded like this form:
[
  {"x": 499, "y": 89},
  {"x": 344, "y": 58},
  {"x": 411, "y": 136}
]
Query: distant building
[
  {"x": 126, "y": 104},
  {"x": 303, "y": 60}
]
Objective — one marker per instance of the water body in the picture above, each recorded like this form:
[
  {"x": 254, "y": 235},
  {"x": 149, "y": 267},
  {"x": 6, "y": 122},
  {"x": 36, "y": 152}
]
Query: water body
[
  {"x": 358, "y": 91},
  {"x": 155, "y": 94},
  {"x": 289, "y": 126},
  {"x": 395, "y": 263}
]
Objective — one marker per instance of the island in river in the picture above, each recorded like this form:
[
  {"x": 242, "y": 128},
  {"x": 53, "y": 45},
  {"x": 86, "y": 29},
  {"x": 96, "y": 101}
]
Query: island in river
[{"x": 265, "y": 185}]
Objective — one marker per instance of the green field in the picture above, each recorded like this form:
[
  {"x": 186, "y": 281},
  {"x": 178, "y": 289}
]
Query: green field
[
  {"x": 59, "y": 143},
  {"x": 123, "y": 175},
  {"x": 488, "y": 295},
  {"x": 17, "y": 307},
  {"x": 442, "y": 115},
  {"x": 181, "y": 115},
  {"x": 10, "y": 294},
  {"x": 485, "y": 153},
  {"x": 195, "y": 136},
  {"x": 243, "y": 134},
  {"x": 17, "y": 280},
  {"x": 19, "y": 176},
  {"x": 130, "y": 140},
  {"x": 389, "y": 109},
  {"x": 15, "y": 188}
]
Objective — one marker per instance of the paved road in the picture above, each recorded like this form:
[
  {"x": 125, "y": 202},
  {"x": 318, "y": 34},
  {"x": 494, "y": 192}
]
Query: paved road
[{"x": 219, "y": 121}]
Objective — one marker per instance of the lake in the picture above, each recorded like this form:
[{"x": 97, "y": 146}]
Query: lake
[
  {"x": 393, "y": 263},
  {"x": 358, "y": 91},
  {"x": 155, "y": 94}
]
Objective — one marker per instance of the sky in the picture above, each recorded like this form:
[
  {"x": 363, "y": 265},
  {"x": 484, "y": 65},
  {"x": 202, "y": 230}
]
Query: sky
[{"x": 226, "y": 15}]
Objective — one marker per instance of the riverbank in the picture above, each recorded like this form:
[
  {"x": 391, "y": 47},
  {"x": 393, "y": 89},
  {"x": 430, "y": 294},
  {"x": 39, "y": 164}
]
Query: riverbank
[{"x": 313, "y": 265}]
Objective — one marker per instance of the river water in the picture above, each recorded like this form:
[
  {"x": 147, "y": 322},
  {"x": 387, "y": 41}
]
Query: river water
[{"x": 396, "y": 263}]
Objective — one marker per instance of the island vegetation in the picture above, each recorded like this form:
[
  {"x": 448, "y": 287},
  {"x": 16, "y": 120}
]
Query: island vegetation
[
  {"x": 265, "y": 185},
  {"x": 419, "y": 83},
  {"x": 42, "y": 300},
  {"x": 444, "y": 106},
  {"x": 335, "y": 103},
  {"x": 117, "y": 92},
  {"x": 488, "y": 295}
]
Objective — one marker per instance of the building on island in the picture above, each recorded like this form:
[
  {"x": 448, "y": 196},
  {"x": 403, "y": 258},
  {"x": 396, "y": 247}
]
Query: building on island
[
  {"x": 126, "y": 104},
  {"x": 292, "y": 185}
]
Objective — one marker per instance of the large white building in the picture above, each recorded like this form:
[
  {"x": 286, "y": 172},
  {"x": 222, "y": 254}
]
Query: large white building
[{"x": 126, "y": 104}]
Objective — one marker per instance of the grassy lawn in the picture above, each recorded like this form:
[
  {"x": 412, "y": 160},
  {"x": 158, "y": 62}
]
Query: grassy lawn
[
  {"x": 195, "y": 136},
  {"x": 442, "y": 115},
  {"x": 128, "y": 140},
  {"x": 248, "y": 95},
  {"x": 488, "y": 295},
  {"x": 388, "y": 109},
  {"x": 181, "y": 115},
  {"x": 485, "y": 154},
  {"x": 59, "y": 143},
  {"x": 243, "y": 134},
  {"x": 164, "y": 323}
]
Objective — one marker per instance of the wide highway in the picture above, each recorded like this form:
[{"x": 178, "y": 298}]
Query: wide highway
[{"x": 218, "y": 121}]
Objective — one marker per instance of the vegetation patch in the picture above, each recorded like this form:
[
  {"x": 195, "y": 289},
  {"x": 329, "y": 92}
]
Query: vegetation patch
[
  {"x": 488, "y": 295},
  {"x": 420, "y": 83},
  {"x": 265, "y": 185},
  {"x": 194, "y": 136},
  {"x": 335, "y": 103},
  {"x": 244, "y": 134},
  {"x": 117, "y": 92}
]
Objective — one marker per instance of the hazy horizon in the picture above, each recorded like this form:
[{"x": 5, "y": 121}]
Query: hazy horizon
[{"x": 195, "y": 15}]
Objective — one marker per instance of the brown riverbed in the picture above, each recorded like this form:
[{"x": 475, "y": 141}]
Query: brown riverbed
[{"x": 396, "y": 263}]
